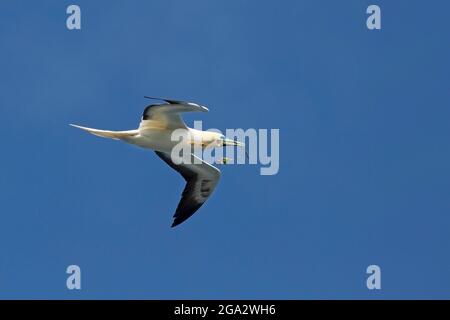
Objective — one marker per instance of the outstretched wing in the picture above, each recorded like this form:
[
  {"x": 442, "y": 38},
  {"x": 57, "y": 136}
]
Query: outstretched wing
[
  {"x": 167, "y": 114},
  {"x": 201, "y": 180}
]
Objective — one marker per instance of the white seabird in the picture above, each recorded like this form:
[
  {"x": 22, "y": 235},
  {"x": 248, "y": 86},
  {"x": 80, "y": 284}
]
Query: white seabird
[{"x": 155, "y": 130}]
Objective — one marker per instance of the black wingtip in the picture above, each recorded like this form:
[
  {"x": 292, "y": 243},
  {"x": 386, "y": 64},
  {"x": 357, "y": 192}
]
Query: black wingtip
[
  {"x": 171, "y": 101},
  {"x": 154, "y": 98}
]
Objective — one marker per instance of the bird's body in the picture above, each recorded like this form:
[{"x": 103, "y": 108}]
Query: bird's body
[
  {"x": 158, "y": 124},
  {"x": 152, "y": 138}
]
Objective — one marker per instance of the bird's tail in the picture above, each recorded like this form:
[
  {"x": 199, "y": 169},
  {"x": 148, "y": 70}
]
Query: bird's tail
[{"x": 107, "y": 133}]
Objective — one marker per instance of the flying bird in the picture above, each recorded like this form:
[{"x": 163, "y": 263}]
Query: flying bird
[{"x": 155, "y": 130}]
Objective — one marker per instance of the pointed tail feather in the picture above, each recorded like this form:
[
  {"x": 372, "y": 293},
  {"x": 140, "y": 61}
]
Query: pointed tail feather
[{"x": 107, "y": 133}]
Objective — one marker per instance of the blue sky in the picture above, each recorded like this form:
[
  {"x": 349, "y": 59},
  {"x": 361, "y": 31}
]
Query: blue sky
[{"x": 364, "y": 149}]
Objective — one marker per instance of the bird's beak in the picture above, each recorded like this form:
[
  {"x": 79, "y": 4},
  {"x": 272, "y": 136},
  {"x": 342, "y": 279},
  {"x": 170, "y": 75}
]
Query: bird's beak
[{"x": 229, "y": 142}]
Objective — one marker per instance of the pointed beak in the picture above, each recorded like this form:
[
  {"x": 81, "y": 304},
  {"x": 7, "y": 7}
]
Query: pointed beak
[{"x": 229, "y": 142}]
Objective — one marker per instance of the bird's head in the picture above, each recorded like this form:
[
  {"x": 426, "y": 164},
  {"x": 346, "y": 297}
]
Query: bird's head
[{"x": 224, "y": 141}]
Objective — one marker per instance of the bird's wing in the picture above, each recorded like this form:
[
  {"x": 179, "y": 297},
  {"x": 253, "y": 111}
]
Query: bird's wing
[
  {"x": 168, "y": 113},
  {"x": 201, "y": 180}
]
